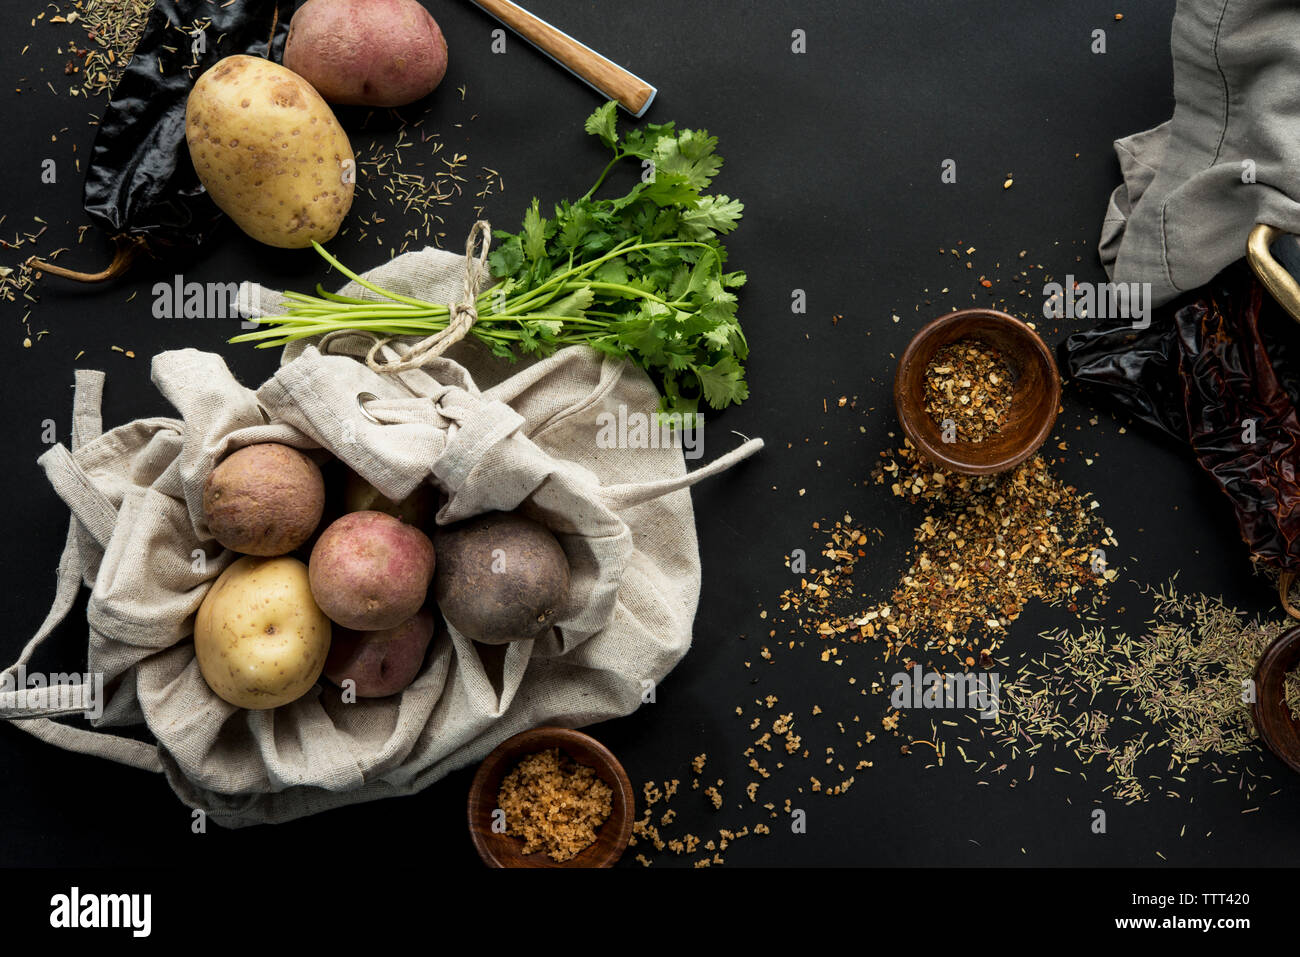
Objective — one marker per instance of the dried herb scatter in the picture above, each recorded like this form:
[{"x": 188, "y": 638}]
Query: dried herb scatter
[
  {"x": 1293, "y": 693},
  {"x": 554, "y": 803},
  {"x": 968, "y": 382},
  {"x": 1139, "y": 710}
]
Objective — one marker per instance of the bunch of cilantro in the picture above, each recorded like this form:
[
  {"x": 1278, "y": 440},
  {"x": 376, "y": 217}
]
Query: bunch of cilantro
[{"x": 641, "y": 276}]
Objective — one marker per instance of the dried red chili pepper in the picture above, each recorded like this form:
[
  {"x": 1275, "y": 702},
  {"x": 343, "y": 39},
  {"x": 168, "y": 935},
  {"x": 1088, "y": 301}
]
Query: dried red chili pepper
[
  {"x": 1242, "y": 424},
  {"x": 1217, "y": 369}
]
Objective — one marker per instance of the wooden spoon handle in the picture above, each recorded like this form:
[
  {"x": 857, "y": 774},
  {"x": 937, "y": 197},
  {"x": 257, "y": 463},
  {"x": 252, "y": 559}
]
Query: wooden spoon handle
[{"x": 633, "y": 93}]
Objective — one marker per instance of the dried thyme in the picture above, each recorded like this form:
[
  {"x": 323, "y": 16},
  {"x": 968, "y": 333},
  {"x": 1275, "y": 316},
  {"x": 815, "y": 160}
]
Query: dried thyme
[
  {"x": 112, "y": 32},
  {"x": 1143, "y": 709}
]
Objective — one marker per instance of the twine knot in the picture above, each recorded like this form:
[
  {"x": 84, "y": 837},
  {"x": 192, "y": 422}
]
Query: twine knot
[{"x": 463, "y": 314}]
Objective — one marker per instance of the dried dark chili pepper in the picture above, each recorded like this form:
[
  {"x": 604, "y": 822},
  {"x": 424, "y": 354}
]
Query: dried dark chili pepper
[
  {"x": 1138, "y": 369},
  {"x": 1216, "y": 369},
  {"x": 141, "y": 188},
  {"x": 1242, "y": 424}
]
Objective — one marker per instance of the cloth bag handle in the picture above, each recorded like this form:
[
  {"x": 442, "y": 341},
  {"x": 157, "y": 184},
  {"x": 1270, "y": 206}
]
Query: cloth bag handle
[
  {"x": 33, "y": 710},
  {"x": 619, "y": 497}
]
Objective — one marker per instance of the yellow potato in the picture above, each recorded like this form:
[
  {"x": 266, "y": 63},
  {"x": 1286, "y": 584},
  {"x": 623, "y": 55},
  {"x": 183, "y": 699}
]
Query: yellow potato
[
  {"x": 269, "y": 152},
  {"x": 259, "y": 637}
]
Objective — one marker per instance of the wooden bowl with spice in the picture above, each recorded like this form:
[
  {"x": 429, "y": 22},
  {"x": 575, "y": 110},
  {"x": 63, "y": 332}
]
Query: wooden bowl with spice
[
  {"x": 551, "y": 797},
  {"x": 1274, "y": 709},
  {"x": 977, "y": 391}
]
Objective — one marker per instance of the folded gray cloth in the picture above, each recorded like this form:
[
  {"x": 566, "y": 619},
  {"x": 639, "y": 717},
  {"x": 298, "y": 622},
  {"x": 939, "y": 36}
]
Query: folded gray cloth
[{"x": 1228, "y": 159}]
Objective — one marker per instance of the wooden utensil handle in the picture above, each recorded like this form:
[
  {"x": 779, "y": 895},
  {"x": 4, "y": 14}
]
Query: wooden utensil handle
[{"x": 633, "y": 93}]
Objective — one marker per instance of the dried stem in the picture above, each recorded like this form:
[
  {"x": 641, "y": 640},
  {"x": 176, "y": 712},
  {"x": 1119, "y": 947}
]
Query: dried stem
[{"x": 128, "y": 247}]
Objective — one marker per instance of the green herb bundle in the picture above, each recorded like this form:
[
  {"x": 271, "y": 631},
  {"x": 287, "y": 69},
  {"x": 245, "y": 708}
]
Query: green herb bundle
[{"x": 641, "y": 276}]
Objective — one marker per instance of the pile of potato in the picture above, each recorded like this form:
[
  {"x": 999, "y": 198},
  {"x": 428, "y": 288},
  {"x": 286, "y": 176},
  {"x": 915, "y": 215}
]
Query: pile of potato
[{"x": 357, "y": 609}]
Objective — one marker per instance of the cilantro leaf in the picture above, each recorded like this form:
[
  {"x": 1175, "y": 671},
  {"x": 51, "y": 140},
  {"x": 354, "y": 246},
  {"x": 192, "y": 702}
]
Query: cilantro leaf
[
  {"x": 506, "y": 258},
  {"x": 604, "y": 123},
  {"x": 535, "y": 233},
  {"x": 723, "y": 383},
  {"x": 642, "y": 142},
  {"x": 691, "y": 155},
  {"x": 713, "y": 214}
]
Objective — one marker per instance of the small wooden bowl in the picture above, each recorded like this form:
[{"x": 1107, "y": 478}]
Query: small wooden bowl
[
  {"x": 1034, "y": 402},
  {"x": 502, "y": 850},
  {"x": 1273, "y": 719}
]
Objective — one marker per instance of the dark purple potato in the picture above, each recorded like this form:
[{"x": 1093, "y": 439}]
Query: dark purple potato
[{"x": 500, "y": 577}]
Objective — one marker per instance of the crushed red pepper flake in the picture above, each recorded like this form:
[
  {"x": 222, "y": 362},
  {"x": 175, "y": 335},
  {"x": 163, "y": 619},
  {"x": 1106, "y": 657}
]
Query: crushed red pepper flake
[{"x": 968, "y": 383}]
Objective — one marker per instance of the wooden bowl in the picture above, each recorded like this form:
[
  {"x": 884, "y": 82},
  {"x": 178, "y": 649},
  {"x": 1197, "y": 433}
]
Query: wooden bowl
[
  {"x": 1035, "y": 398},
  {"x": 1273, "y": 719},
  {"x": 502, "y": 850}
]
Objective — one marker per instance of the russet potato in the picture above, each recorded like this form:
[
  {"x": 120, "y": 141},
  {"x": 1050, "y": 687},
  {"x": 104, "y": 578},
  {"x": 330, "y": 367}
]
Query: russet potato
[
  {"x": 264, "y": 499},
  {"x": 270, "y": 152},
  {"x": 260, "y": 639}
]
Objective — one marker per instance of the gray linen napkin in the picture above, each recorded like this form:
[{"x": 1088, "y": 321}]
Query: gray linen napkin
[{"x": 1228, "y": 159}]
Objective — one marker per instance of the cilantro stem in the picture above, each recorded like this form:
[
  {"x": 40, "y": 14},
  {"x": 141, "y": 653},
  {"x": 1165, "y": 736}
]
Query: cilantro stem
[{"x": 619, "y": 156}]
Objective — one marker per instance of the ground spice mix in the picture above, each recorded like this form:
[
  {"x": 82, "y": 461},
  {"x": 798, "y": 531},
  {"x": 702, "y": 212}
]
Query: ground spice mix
[
  {"x": 555, "y": 804},
  {"x": 985, "y": 546}
]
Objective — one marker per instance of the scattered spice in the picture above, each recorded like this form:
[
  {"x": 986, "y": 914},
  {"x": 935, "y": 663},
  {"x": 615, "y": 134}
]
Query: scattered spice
[
  {"x": 968, "y": 383},
  {"x": 416, "y": 189},
  {"x": 985, "y": 547},
  {"x": 1143, "y": 710},
  {"x": 1293, "y": 693},
  {"x": 1146, "y": 708},
  {"x": 555, "y": 804},
  {"x": 646, "y": 832},
  {"x": 112, "y": 31}
]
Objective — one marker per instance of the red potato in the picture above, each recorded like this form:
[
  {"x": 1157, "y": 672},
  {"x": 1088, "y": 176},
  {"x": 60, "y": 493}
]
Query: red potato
[
  {"x": 370, "y": 571},
  {"x": 367, "y": 52},
  {"x": 380, "y": 663}
]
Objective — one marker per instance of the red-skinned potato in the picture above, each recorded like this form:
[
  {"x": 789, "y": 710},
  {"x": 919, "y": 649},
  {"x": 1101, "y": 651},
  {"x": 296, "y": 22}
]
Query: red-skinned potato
[
  {"x": 370, "y": 571},
  {"x": 380, "y": 663},
  {"x": 367, "y": 52}
]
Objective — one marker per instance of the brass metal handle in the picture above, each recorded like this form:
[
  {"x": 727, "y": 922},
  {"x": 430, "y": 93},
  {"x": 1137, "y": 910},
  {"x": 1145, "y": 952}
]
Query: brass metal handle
[{"x": 1280, "y": 284}]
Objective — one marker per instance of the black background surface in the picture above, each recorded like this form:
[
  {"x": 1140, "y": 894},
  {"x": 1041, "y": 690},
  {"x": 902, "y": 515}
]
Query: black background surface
[{"x": 837, "y": 156}]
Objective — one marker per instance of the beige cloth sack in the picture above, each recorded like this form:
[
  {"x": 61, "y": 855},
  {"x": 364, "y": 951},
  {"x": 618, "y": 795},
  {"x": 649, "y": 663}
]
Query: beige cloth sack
[{"x": 137, "y": 538}]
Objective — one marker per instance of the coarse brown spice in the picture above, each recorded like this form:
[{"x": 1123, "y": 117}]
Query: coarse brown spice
[
  {"x": 554, "y": 803},
  {"x": 968, "y": 387},
  {"x": 985, "y": 547}
]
